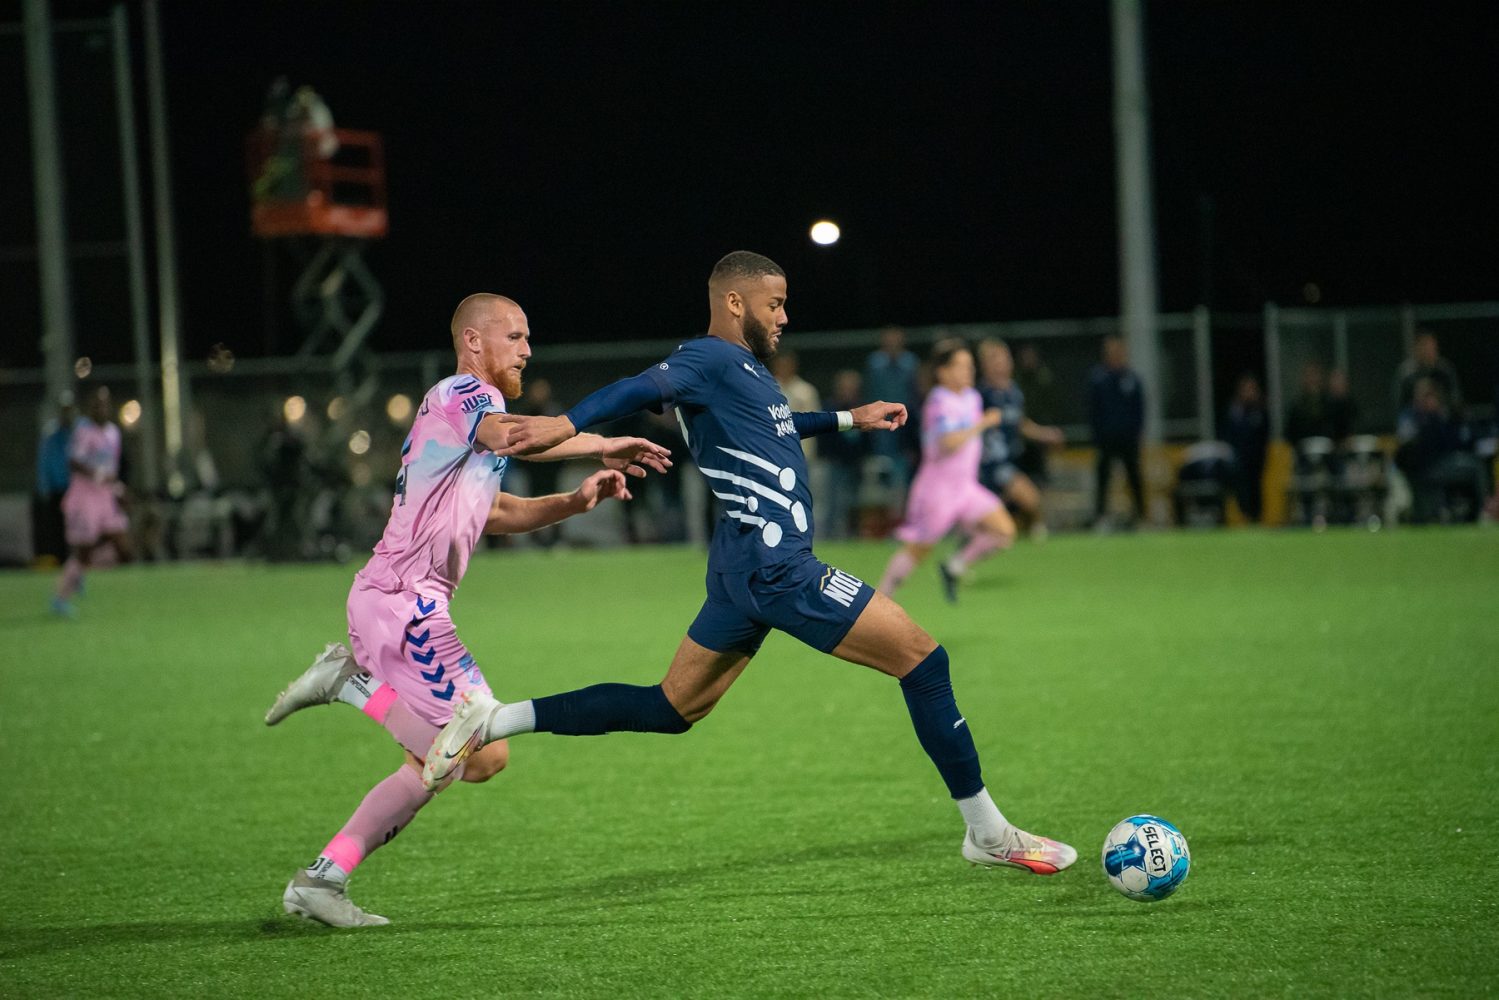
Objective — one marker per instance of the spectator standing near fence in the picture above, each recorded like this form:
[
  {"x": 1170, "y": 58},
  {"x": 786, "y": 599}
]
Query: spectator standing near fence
[
  {"x": 1116, "y": 414},
  {"x": 844, "y": 452},
  {"x": 1246, "y": 429},
  {"x": 890, "y": 375},
  {"x": 1426, "y": 362},
  {"x": 801, "y": 394}
]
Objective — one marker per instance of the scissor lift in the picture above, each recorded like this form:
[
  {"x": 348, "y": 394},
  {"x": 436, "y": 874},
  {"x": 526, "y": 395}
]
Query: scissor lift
[{"x": 334, "y": 204}]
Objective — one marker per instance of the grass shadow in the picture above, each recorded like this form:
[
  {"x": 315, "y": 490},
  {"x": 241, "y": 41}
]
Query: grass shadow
[{"x": 25, "y": 942}]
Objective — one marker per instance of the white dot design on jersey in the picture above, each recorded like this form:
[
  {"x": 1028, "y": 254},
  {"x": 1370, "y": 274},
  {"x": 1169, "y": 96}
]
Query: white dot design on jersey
[{"x": 770, "y": 532}]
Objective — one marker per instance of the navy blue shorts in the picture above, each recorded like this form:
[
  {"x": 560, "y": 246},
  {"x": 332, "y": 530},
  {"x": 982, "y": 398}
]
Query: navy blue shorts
[{"x": 803, "y": 597}]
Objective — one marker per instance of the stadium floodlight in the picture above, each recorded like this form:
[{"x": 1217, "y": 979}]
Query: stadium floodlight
[
  {"x": 825, "y": 232},
  {"x": 398, "y": 408},
  {"x": 359, "y": 442},
  {"x": 294, "y": 409},
  {"x": 130, "y": 413}
]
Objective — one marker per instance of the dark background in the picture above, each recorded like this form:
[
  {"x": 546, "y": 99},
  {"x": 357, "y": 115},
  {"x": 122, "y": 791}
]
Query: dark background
[{"x": 593, "y": 160}]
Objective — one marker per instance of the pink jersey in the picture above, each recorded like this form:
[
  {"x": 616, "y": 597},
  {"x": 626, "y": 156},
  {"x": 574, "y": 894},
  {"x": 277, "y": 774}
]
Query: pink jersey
[
  {"x": 443, "y": 493},
  {"x": 943, "y": 412},
  {"x": 97, "y": 448}
]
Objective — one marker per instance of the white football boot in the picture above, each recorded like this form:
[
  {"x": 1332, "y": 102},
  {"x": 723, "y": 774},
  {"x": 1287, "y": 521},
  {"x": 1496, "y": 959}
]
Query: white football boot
[
  {"x": 459, "y": 738},
  {"x": 318, "y": 683},
  {"x": 326, "y": 902},
  {"x": 1039, "y": 855}
]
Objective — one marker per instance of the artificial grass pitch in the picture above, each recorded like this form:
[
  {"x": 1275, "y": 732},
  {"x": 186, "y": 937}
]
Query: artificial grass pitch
[{"x": 1319, "y": 714}]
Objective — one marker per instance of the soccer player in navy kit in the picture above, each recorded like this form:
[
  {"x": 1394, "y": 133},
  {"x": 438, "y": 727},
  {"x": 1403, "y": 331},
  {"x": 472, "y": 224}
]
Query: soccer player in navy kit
[{"x": 762, "y": 573}]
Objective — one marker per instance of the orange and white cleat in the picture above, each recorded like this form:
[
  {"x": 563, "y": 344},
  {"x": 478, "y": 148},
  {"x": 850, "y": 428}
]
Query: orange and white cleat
[{"x": 1038, "y": 855}]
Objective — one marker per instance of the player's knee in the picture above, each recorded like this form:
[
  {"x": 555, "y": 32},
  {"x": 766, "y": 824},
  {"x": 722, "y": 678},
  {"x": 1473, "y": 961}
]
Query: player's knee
[{"x": 487, "y": 762}]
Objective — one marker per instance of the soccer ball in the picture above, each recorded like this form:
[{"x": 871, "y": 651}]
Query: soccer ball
[{"x": 1146, "y": 858}]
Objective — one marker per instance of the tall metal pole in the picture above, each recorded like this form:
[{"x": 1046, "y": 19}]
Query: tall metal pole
[
  {"x": 130, "y": 183},
  {"x": 1137, "y": 283},
  {"x": 173, "y": 389},
  {"x": 51, "y": 221}
]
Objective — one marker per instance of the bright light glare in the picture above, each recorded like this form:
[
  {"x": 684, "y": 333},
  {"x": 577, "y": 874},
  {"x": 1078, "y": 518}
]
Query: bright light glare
[
  {"x": 359, "y": 442},
  {"x": 294, "y": 409},
  {"x": 398, "y": 408},
  {"x": 130, "y": 413},
  {"x": 825, "y": 233},
  {"x": 336, "y": 407}
]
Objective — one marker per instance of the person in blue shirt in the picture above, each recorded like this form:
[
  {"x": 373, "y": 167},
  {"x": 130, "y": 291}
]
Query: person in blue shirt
[
  {"x": 53, "y": 474},
  {"x": 890, "y": 374},
  {"x": 762, "y": 573}
]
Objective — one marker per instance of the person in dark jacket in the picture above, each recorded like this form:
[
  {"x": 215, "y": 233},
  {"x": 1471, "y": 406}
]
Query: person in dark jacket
[
  {"x": 1116, "y": 412},
  {"x": 1246, "y": 429}
]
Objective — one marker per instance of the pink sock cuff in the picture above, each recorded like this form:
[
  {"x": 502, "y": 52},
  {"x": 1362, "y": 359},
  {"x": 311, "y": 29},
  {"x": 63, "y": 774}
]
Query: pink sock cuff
[
  {"x": 344, "y": 851},
  {"x": 378, "y": 707}
]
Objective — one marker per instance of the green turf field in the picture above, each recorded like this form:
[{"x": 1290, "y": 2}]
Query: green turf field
[{"x": 1319, "y": 714}]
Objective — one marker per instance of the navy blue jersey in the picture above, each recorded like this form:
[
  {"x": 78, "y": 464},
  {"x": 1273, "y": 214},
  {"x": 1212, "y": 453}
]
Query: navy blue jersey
[
  {"x": 738, "y": 425},
  {"x": 1003, "y": 443}
]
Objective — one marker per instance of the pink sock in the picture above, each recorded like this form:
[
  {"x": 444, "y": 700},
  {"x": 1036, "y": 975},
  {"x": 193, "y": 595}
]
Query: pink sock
[
  {"x": 72, "y": 573},
  {"x": 385, "y": 812},
  {"x": 979, "y": 546},
  {"x": 897, "y": 570},
  {"x": 413, "y": 733}
]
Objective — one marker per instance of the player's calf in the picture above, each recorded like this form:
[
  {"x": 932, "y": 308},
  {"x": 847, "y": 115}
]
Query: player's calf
[{"x": 486, "y": 762}]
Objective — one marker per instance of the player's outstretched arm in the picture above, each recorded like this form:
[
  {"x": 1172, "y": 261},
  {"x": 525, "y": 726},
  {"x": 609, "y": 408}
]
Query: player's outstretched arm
[
  {"x": 879, "y": 416},
  {"x": 629, "y": 455},
  {"x": 512, "y": 515},
  {"x": 513, "y": 434},
  {"x": 528, "y": 435}
]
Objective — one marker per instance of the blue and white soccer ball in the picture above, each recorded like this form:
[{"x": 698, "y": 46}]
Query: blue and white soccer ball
[{"x": 1146, "y": 858}]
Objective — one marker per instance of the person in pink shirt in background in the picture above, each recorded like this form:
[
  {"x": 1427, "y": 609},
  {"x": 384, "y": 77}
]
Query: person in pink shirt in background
[
  {"x": 408, "y": 668},
  {"x": 946, "y": 493},
  {"x": 91, "y": 506}
]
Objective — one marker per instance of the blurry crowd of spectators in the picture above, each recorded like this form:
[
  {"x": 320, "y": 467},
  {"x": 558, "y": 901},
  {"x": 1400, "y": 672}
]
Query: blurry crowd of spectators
[
  {"x": 1444, "y": 459},
  {"x": 310, "y": 507}
]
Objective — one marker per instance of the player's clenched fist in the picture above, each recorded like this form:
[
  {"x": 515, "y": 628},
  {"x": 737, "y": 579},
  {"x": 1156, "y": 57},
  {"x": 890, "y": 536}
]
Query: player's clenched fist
[{"x": 879, "y": 416}]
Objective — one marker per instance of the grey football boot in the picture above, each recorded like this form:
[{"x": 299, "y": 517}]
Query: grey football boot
[
  {"x": 318, "y": 683},
  {"x": 325, "y": 902}
]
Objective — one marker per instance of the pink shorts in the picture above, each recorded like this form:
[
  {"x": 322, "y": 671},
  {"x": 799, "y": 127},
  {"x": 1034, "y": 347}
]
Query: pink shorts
[
  {"x": 92, "y": 516},
  {"x": 408, "y": 641},
  {"x": 935, "y": 508}
]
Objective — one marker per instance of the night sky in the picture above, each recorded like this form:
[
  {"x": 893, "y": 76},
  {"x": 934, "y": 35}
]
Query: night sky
[{"x": 593, "y": 160}]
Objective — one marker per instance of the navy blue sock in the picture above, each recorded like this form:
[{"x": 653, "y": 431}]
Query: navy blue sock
[
  {"x": 940, "y": 727},
  {"x": 608, "y": 708}
]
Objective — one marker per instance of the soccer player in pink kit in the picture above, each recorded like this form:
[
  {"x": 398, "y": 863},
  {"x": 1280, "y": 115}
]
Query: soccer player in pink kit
[
  {"x": 946, "y": 492},
  {"x": 407, "y": 664},
  {"x": 91, "y": 506}
]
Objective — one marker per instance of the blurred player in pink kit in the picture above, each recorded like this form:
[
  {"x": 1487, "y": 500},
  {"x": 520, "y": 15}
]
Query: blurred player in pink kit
[
  {"x": 91, "y": 506},
  {"x": 408, "y": 668},
  {"x": 946, "y": 493}
]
